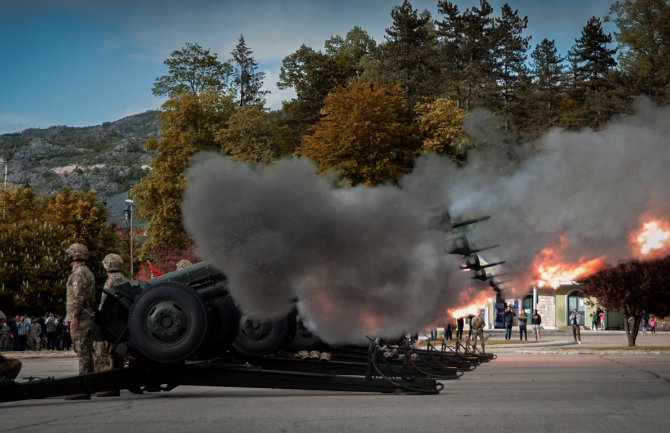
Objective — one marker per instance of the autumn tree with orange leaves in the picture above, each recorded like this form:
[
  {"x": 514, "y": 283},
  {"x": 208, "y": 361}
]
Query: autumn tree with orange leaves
[
  {"x": 632, "y": 287},
  {"x": 364, "y": 134}
]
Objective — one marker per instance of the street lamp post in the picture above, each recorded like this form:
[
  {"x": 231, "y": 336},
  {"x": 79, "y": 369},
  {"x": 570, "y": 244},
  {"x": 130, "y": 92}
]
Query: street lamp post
[{"x": 129, "y": 217}]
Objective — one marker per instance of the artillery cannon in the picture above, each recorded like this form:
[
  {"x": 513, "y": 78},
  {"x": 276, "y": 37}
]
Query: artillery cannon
[{"x": 184, "y": 328}]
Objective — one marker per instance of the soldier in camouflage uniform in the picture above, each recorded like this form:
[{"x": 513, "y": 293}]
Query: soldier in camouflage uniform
[
  {"x": 477, "y": 326},
  {"x": 4, "y": 331},
  {"x": 102, "y": 356},
  {"x": 35, "y": 335},
  {"x": 81, "y": 309}
]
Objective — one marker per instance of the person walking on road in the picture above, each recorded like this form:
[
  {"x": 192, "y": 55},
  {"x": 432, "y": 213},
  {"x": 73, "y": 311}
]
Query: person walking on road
[
  {"x": 652, "y": 325},
  {"x": 536, "y": 321},
  {"x": 574, "y": 321}
]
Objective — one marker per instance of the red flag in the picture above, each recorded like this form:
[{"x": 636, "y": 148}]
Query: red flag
[{"x": 155, "y": 272}]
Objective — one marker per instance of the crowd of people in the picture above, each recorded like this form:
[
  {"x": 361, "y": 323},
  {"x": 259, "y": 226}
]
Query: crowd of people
[{"x": 23, "y": 332}]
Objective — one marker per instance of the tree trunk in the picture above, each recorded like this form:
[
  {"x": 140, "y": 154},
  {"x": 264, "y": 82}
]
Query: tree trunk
[{"x": 632, "y": 326}]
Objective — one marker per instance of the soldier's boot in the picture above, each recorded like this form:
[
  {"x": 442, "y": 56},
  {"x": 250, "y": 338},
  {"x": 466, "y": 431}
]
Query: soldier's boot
[
  {"x": 78, "y": 397},
  {"x": 108, "y": 393},
  {"x": 9, "y": 368}
]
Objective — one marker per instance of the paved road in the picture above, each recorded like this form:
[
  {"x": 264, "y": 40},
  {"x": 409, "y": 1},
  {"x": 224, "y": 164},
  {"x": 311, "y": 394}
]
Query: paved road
[{"x": 545, "y": 390}]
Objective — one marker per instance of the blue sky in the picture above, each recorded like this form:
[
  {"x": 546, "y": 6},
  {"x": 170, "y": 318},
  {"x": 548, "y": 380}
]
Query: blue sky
[{"x": 84, "y": 62}]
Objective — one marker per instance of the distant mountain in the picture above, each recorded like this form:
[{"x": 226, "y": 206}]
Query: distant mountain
[{"x": 108, "y": 158}]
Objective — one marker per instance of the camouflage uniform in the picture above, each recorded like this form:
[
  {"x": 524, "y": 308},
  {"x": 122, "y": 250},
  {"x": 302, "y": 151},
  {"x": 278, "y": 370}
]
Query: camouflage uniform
[
  {"x": 34, "y": 336},
  {"x": 477, "y": 326},
  {"x": 4, "y": 334},
  {"x": 81, "y": 306},
  {"x": 102, "y": 356},
  {"x": 4, "y": 331}
]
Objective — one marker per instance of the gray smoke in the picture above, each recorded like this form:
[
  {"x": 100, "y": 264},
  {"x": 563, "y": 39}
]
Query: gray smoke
[
  {"x": 590, "y": 186},
  {"x": 362, "y": 261}
]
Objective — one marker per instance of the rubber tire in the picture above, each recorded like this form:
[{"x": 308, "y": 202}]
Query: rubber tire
[
  {"x": 304, "y": 339},
  {"x": 223, "y": 323},
  {"x": 282, "y": 331},
  {"x": 185, "y": 299}
]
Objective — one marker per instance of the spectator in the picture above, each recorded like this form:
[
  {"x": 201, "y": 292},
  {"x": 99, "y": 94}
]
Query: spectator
[
  {"x": 448, "y": 331},
  {"x": 51, "y": 324},
  {"x": 508, "y": 321},
  {"x": 652, "y": 324},
  {"x": 536, "y": 321},
  {"x": 22, "y": 327},
  {"x": 574, "y": 322},
  {"x": 523, "y": 321}
]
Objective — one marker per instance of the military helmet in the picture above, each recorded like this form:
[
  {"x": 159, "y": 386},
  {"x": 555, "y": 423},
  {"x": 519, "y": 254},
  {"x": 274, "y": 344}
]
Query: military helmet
[
  {"x": 113, "y": 263},
  {"x": 181, "y": 264},
  {"x": 78, "y": 252}
]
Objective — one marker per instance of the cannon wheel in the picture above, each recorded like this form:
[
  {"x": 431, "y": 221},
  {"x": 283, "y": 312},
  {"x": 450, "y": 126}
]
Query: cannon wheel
[
  {"x": 258, "y": 337},
  {"x": 304, "y": 339},
  {"x": 223, "y": 323},
  {"x": 167, "y": 322}
]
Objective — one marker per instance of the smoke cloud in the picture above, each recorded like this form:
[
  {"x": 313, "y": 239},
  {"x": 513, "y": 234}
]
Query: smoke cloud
[
  {"x": 365, "y": 261},
  {"x": 592, "y": 187},
  {"x": 362, "y": 261}
]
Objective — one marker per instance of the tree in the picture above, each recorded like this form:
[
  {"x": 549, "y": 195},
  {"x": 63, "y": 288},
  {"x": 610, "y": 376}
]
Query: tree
[
  {"x": 312, "y": 74},
  {"x": 35, "y": 232},
  {"x": 466, "y": 43},
  {"x": 248, "y": 80},
  {"x": 632, "y": 287},
  {"x": 193, "y": 69},
  {"x": 189, "y": 123},
  {"x": 594, "y": 78},
  {"x": 254, "y": 135},
  {"x": 440, "y": 125},
  {"x": 644, "y": 38},
  {"x": 363, "y": 135},
  {"x": 510, "y": 47},
  {"x": 547, "y": 89},
  {"x": 409, "y": 52}
]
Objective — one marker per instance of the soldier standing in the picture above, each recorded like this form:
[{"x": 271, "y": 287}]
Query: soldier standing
[
  {"x": 80, "y": 310},
  {"x": 477, "y": 326},
  {"x": 4, "y": 331},
  {"x": 102, "y": 356}
]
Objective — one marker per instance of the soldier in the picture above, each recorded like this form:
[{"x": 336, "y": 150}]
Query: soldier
[
  {"x": 477, "y": 326},
  {"x": 9, "y": 368},
  {"x": 35, "y": 335},
  {"x": 4, "y": 331},
  {"x": 102, "y": 356},
  {"x": 181, "y": 264},
  {"x": 80, "y": 310}
]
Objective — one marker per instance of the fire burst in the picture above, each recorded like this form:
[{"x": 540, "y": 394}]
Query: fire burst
[
  {"x": 653, "y": 237},
  {"x": 471, "y": 303},
  {"x": 551, "y": 270}
]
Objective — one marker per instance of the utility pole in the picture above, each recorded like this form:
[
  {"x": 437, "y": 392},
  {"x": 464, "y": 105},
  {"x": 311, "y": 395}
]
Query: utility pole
[{"x": 129, "y": 215}]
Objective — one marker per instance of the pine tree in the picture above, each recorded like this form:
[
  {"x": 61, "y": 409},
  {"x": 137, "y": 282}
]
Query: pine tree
[
  {"x": 644, "y": 38},
  {"x": 594, "y": 86},
  {"x": 548, "y": 85},
  {"x": 409, "y": 53},
  {"x": 510, "y": 47},
  {"x": 467, "y": 54},
  {"x": 248, "y": 81}
]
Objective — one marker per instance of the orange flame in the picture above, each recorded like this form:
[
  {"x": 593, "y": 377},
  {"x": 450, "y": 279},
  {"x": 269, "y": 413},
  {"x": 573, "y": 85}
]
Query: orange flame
[
  {"x": 471, "y": 303},
  {"x": 551, "y": 270},
  {"x": 652, "y": 239}
]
